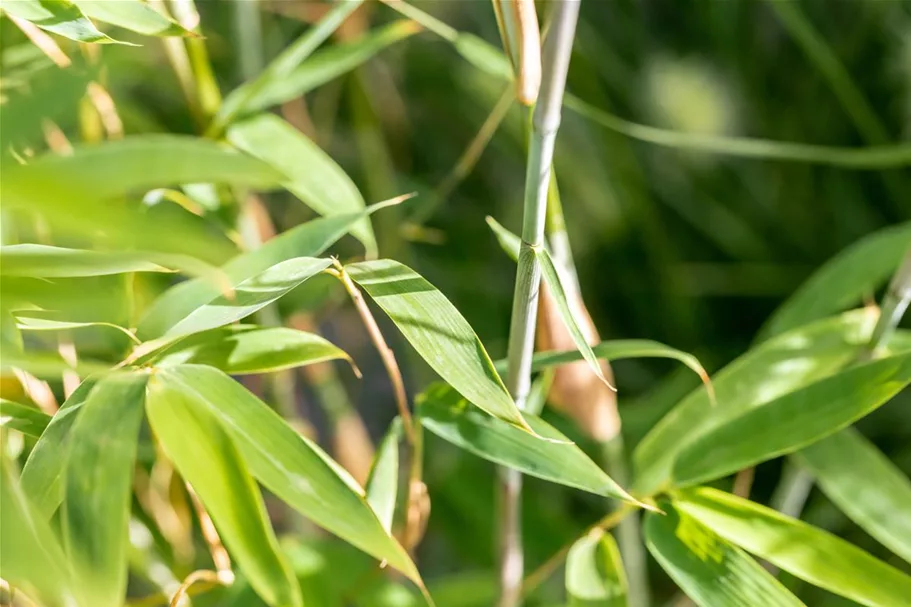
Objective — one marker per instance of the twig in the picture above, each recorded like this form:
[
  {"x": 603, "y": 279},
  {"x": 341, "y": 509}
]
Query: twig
[{"x": 219, "y": 555}]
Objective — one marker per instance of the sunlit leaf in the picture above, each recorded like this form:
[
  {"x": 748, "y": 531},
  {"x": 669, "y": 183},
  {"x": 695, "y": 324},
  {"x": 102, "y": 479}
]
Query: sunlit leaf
[
  {"x": 509, "y": 242},
  {"x": 773, "y": 369},
  {"x": 25, "y": 419},
  {"x": 47, "y": 364},
  {"x": 35, "y": 323},
  {"x": 60, "y": 17},
  {"x": 133, "y": 15},
  {"x": 449, "y": 416},
  {"x": 98, "y": 482},
  {"x": 288, "y": 464},
  {"x": 707, "y": 568},
  {"x": 594, "y": 572},
  {"x": 313, "y": 176},
  {"x": 56, "y": 262},
  {"x": 806, "y": 552},
  {"x": 865, "y": 485},
  {"x": 206, "y": 457},
  {"x": 243, "y": 349},
  {"x": 383, "y": 482},
  {"x": 442, "y": 337},
  {"x": 792, "y": 421}
]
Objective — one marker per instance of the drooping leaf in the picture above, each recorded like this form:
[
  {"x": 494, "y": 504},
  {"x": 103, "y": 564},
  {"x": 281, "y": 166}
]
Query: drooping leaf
[
  {"x": 244, "y": 349},
  {"x": 25, "y": 419},
  {"x": 806, "y": 552},
  {"x": 60, "y": 17},
  {"x": 792, "y": 421},
  {"x": 383, "y": 482},
  {"x": 865, "y": 485},
  {"x": 313, "y": 176},
  {"x": 439, "y": 333},
  {"x": 56, "y": 262},
  {"x": 288, "y": 464},
  {"x": 207, "y": 458},
  {"x": 449, "y": 416},
  {"x": 843, "y": 280},
  {"x": 133, "y": 15},
  {"x": 594, "y": 572},
  {"x": 250, "y": 295},
  {"x": 707, "y": 568},
  {"x": 775, "y": 368},
  {"x": 35, "y": 323},
  {"x": 47, "y": 364},
  {"x": 98, "y": 482}
]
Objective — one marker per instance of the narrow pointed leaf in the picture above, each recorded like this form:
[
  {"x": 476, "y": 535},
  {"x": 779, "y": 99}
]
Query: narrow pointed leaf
[
  {"x": 313, "y": 176},
  {"x": 865, "y": 485},
  {"x": 47, "y": 364},
  {"x": 449, "y": 416},
  {"x": 60, "y": 17},
  {"x": 245, "y": 349},
  {"x": 806, "y": 552},
  {"x": 133, "y": 15},
  {"x": 33, "y": 323},
  {"x": 250, "y": 295},
  {"x": 383, "y": 482},
  {"x": 773, "y": 369},
  {"x": 439, "y": 333},
  {"x": 56, "y": 262},
  {"x": 792, "y": 421},
  {"x": 707, "y": 568},
  {"x": 207, "y": 458},
  {"x": 98, "y": 487},
  {"x": 509, "y": 242},
  {"x": 594, "y": 572},
  {"x": 25, "y": 419},
  {"x": 288, "y": 464}
]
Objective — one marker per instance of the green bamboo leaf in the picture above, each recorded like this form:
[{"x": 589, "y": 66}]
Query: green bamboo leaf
[
  {"x": 307, "y": 240},
  {"x": 383, "y": 482},
  {"x": 707, "y": 568},
  {"x": 10, "y": 337},
  {"x": 34, "y": 323},
  {"x": 55, "y": 262},
  {"x": 31, "y": 558},
  {"x": 24, "y": 418},
  {"x": 844, "y": 280},
  {"x": 594, "y": 572},
  {"x": 60, "y": 17},
  {"x": 442, "y": 337},
  {"x": 46, "y": 364},
  {"x": 509, "y": 242},
  {"x": 250, "y": 295},
  {"x": 775, "y": 368},
  {"x": 288, "y": 464},
  {"x": 314, "y": 177},
  {"x": 206, "y": 457},
  {"x": 483, "y": 55},
  {"x": 133, "y": 15},
  {"x": 42, "y": 476},
  {"x": 792, "y": 421},
  {"x": 865, "y": 485},
  {"x": 245, "y": 349},
  {"x": 449, "y": 416},
  {"x": 806, "y": 552},
  {"x": 98, "y": 484}
]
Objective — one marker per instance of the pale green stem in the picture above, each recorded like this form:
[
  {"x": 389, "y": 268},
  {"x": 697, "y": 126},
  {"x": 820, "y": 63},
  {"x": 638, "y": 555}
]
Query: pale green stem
[{"x": 545, "y": 123}]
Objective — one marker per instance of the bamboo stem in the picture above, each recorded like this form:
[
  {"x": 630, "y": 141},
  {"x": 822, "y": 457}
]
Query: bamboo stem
[
  {"x": 545, "y": 123},
  {"x": 894, "y": 305}
]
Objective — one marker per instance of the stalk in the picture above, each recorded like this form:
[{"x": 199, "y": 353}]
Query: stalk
[{"x": 545, "y": 124}]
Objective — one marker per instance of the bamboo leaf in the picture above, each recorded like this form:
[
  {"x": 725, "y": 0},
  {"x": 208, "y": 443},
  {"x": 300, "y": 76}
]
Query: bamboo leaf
[
  {"x": 60, "y": 17},
  {"x": 707, "y": 568},
  {"x": 133, "y": 15},
  {"x": 449, "y": 416},
  {"x": 509, "y": 242},
  {"x": 46, "y": 364},
  {"x": 594, "y": 572},
  {"x": 865, "y": 485},
  {"x": 442, "y": 337},
  {"x": 55, "y": 262},
  {"x": 843, "y": 280},
  {"x": 773, "y": 369},
  {"x": 792, "y": 421},
  {"x": 288, "y": 464},
  {"x": 245, "y": 349},
  {"x": 250, "y": 295},
  {"x": 51, "y": 95},
  {"x": 207, "y": 458},
  {"x": 98, "y": 487},
  {"x": 25, "y": 419},
  {"x": 314, "y": 177},
  {"x": 34, "y": 323},
  {"x": 806, "y": 552},
  {"x": 383, "y": 482}
]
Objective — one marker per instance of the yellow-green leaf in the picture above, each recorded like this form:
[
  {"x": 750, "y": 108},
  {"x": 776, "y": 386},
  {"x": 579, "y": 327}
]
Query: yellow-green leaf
[
  {"x": 60, "y": 17},
  {"x": 594, "y": 572},
  {"x": 25, "y": 419}
]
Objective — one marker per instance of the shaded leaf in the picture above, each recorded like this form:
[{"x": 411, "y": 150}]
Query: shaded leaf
[
  {"x": 449, "y": 416},
  {"x": 51, "y": 95},
  {"x": 806, "y": 552},
  {"x": 865, "y": 485},
  {"x": 509, "y": 242},
  {"x": 133, "y": 15},
  {"x": 288, "y": 464},
  {"x": 95, "y": 513},
  {"x": 60, "y": 17},
  {"x": 792, "y": 421},
  {"x": 206, "y": 457},
  {"x": 56, "y": 262},
  {"x": 33, "y": 323},
  {"x": 47, "y": 364},
  {"x": 383, "y": 482},
  {"x": 438, "y": 332},
  {"x": 314, "y": 177},
  {"x": 707, "y": 568},
  {"x": 594, "y": 572},
  {"x": 24, "y": 418}
]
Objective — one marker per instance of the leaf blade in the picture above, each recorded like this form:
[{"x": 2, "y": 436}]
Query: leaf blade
[
  {"x": 594, "y": 572},
  {"x": 28, "y": 420},
  {"x": 133, "y": 15},
  {"x": 60, "y": 17},
  {"x": 383, "y": 481}
]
